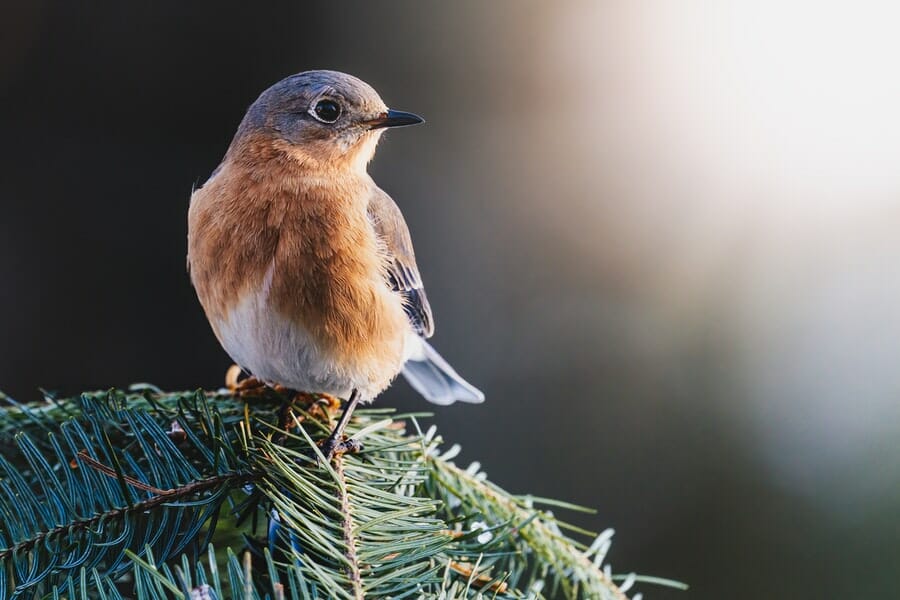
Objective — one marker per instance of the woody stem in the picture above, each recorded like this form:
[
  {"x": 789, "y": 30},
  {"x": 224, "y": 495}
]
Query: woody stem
[{"x": 335, "y": 439}]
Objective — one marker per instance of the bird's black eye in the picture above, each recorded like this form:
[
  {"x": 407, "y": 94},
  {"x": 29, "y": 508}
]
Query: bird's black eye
[{"x": 327, "y": 111}]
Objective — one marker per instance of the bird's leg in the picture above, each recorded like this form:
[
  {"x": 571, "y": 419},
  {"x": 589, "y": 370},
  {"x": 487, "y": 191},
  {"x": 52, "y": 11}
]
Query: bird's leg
[
  {"x": 335, "y": 443},
  {"x": 321, "y": 407}
]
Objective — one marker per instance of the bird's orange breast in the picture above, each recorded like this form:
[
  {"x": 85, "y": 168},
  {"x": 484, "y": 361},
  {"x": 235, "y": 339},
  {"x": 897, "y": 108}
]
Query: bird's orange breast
[{"x": 303, "y": 238}]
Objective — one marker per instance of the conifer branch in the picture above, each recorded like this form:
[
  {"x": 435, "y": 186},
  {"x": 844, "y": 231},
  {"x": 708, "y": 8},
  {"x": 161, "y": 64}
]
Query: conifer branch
[
  {"x": 165, "y": 473},
  {"x": 172, "y": 495},
  {"x": 353, "y": 569},
  {"x": 535, "y": 530}
]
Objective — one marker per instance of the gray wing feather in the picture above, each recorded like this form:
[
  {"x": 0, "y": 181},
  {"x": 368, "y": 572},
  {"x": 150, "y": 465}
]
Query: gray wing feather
[{"x": 403, "y": 275}]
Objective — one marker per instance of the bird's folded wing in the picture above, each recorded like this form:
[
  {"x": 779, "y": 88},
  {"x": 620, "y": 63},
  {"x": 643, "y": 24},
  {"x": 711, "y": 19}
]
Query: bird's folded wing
[{"x": 403, "y": 275}]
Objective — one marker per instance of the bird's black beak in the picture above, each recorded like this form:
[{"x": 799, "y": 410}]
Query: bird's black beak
[{"x": 394, "y": 118}]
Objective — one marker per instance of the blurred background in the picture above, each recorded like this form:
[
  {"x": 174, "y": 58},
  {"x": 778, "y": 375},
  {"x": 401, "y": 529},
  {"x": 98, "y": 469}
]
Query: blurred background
[{"x": 662, "y": 237}]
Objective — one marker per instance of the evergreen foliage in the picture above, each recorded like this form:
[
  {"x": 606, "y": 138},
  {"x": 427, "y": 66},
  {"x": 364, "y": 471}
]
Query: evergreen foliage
[{"x": 118, "y": 495}]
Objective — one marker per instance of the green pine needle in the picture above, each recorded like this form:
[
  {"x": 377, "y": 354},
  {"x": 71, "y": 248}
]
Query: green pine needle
[{"x": 120, "y": 495}]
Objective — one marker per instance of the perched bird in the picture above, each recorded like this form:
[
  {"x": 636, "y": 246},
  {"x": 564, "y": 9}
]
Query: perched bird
[{"x": 304, "y": 266}]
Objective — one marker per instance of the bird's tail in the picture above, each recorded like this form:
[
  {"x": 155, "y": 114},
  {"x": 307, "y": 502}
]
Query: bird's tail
[{"x": 432, "y": 377}]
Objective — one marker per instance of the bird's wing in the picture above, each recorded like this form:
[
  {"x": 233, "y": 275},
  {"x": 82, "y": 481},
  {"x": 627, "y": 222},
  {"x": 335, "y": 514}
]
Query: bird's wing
[{"x": 403, "y": 275}]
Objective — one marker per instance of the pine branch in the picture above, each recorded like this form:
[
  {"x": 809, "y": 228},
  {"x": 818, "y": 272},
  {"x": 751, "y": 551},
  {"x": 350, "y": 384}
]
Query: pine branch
[
  {"x": 536, "y": 535},
  {"x": 79, "y": 525},
  {"x": 347, "y": 524},
  {"x": 103, "y": 492}
]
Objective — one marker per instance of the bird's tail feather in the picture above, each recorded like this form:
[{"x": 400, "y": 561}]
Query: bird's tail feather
[{"x": 432, "y": 377}]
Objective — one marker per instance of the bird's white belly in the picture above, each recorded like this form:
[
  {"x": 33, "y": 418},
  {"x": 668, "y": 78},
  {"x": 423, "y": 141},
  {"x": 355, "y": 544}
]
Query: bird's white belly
[{"x": 277, "y": 350}]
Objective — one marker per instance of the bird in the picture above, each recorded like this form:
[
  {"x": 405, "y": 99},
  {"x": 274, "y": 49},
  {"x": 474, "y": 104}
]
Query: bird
[{"x": 304, "y": 267}]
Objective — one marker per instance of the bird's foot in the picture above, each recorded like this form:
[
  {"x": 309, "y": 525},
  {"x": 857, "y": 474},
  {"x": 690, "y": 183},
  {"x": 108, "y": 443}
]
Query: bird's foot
[
  {"x": 319, "y": 406},
  {"x": 236, "y": 385},
  {"x": 333, "y": 447},
  {"x": 249, "y": 386}
]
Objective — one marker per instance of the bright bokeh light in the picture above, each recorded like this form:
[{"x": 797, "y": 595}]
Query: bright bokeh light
[
  {"x": 754, "y": 153},
  {"x": 798, "y": 100},
  {"x": 816, "y": 87},
  {"x": 800, "y": 96}
]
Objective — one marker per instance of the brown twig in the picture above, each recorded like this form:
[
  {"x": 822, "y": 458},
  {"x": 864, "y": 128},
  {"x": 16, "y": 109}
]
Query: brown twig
[
  {"x": 188, "y": 489},
  {"x": 467, "y": 571},
  {"x": 84, "y": 457}
]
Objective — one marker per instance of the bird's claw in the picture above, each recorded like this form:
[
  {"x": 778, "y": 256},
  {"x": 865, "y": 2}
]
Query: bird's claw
[
  {"x": 319, "y": 406},
  {"x": 332, "y": 447},
  {"x": 249, "y": 386}
]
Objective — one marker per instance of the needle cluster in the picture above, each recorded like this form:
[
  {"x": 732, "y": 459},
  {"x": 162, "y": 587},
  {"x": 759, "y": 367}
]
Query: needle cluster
[{"x": 120, "y": 495}]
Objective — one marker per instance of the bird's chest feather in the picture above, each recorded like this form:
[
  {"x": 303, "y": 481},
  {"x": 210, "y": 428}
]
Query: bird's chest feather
[{"x": 287, "y": 271}]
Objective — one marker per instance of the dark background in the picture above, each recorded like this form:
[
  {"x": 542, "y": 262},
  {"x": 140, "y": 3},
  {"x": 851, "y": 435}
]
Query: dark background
[{"x": 674, "y": 279}]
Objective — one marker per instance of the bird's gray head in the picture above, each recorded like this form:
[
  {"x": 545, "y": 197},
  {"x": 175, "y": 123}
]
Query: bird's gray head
[{"x": 324, "y": 116}]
